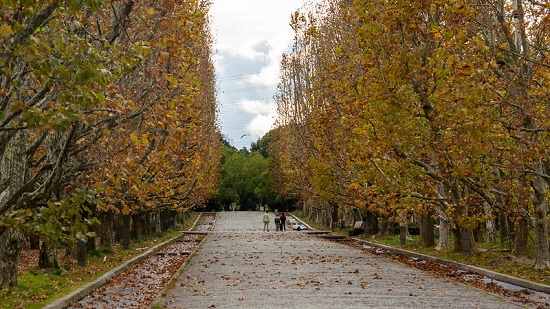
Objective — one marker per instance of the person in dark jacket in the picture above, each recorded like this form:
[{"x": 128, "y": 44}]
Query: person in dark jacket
[{"x": 282, "y": 226}]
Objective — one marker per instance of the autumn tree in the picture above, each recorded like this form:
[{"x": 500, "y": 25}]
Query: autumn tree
[
  {"x": 93, "y": 118},
  {"x": 51, "y": 79},
  {"x": 289, "y": 141},
  {"x": 434, "y": 116},
  {"x": 162, "y": 152},
  {"x": 516, "y": 35},
  {"x": 396, "y": 107}
]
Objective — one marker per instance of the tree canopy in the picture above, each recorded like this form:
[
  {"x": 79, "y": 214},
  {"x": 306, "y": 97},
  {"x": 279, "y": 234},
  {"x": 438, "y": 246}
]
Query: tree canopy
[
  {"x": 428, "y": 107},
  {"x": 105, "y": 107},
  {"x": 244, "y": 180}
]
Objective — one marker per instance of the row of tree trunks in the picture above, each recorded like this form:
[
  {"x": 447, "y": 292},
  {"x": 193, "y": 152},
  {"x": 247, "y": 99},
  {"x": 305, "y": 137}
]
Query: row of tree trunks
[
  {"x": 375, "y": 225},
  {"x": 126, "y": 227}
]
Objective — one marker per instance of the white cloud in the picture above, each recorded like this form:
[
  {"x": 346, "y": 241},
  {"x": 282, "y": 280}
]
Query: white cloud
[
  {"x": 238, "y": 21},
  {"x": 257, "y": 107},
  {"x": 250, "y": 37},
  {"x": 252, "y": 48},
  {"x": 261, "y": 124}
]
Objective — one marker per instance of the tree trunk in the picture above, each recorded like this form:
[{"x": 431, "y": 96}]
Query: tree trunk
[
  {"x": 490, "y": 223},
  {"x": 125, "y": 234},
  {"x": 118, "y": 225},
  {"x": 540, "y": 203},
  {"x": 174, "y": 216},
  {"x": 444, "y": 228},
  {"x": 91, "y": 244},
  {"x": 10, "y": 249},
  {"x": 48, "y": 256},
  {"x": 305, "y": 209},
  {"x": 427, "y": 238},
  {"x": 357, "y": 215},
  {"x": 105, "y": 230},
  {"x": 371, "y": 223},
  {"x": 70, "y": 251},
  {"x": 34, "y": 242},
  {"x": 478, "y": 234},
  {"x": 147, "y": 223},
  {"x": 403, "y": 221},
  {"x": 156, "y": 222},
  {"x": 457, "y": 237},
  {"x": 164, "y": 220},
  {"x": 460, "y": 209},
  {"x": 521, "y": 234},
  {"x": 504, "y": 224},
  {"x": 384, "y": 227},
  {"x": 458, "y": 247},
  {"x": 180, "y": 215},
  {"x": 334, "y": 217},
  {"x": 136, "y": 229},
  {"x": 12, "y": 171}
]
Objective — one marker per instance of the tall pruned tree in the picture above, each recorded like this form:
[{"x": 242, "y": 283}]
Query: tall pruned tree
[
  {"x": 516, "y": 35},
  {"x": 294, "y": 107}
]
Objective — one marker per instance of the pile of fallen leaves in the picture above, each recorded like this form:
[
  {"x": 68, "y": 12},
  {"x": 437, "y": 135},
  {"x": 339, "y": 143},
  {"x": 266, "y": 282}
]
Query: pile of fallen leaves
[
  {"x": 140, "y": 284},
  {"x": 450, "y": 272}
]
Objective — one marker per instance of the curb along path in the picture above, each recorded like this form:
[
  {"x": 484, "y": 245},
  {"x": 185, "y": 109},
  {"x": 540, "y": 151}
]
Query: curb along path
[
  {"x": 136, "y": 283},
  {"x": 239, "y": 265},
  {"x": 522, "y": 290}
]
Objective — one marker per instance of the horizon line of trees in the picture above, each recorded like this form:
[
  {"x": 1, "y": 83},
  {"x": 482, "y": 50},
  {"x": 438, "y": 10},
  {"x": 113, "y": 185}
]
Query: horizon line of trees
[
  {"x": 434, "y": 108},
  {"x": 107, "y": 122}
]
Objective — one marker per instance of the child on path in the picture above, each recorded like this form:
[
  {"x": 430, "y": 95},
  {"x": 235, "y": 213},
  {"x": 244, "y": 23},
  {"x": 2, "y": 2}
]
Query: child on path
[
  {"x": 277, "y": 222},
  {"x": 266, "y": 221}
]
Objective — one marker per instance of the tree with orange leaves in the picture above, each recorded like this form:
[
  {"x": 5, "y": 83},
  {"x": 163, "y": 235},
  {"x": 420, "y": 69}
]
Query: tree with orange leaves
[
  {"x": 416, "y": 108},
  {"x": 94, "y": 117}
]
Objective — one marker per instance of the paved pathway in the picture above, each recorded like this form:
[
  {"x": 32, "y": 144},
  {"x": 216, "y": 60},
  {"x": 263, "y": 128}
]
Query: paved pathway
[{"x": 240, "y": 266}]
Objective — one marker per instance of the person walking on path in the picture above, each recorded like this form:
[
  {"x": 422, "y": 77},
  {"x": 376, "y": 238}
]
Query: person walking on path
[
  {"x": 266, "y": 221},
  {"x": 277, "y": 222},
  {"x": 282, "y": 226}
]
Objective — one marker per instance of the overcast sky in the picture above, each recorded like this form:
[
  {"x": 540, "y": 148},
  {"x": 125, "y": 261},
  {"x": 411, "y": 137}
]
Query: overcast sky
[{"x": 250, "y": 37}]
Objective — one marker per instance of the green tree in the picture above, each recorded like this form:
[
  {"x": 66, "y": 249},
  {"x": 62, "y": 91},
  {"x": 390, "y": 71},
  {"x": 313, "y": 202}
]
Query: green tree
[
  {"x": 244, "y": 179},
  {"x": 261, "y": 145}
]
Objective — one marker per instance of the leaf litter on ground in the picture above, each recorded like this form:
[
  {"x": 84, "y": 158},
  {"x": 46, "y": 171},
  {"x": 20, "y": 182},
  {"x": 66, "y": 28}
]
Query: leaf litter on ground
[
  {"x": 140, "y": 284},
  {"x": 450, "y": 272}
]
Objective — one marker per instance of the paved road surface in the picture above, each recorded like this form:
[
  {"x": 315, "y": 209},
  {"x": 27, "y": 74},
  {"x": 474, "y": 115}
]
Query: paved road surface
[{"x": 240, "y": 266}]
